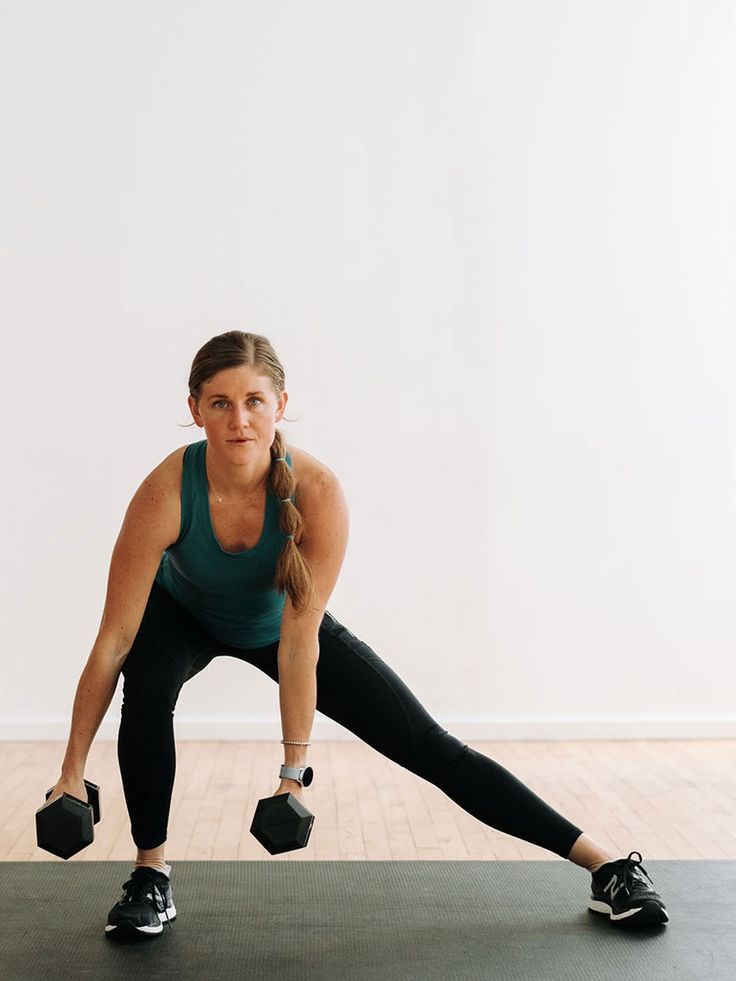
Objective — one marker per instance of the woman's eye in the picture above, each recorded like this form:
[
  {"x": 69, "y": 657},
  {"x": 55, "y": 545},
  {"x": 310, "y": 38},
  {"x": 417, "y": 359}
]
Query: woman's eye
[{"x": 222, "y": 401}]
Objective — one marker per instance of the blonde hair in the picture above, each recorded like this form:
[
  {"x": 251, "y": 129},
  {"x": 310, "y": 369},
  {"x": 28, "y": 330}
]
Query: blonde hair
[{"x": 230, "y": 350}]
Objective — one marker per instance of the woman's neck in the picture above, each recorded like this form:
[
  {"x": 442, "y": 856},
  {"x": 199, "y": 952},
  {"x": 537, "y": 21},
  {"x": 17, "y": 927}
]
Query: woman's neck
[{"x": 236, "y": 483}]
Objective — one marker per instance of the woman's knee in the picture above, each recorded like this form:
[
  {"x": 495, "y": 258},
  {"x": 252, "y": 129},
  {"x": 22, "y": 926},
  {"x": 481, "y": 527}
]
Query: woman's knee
[
  {"x": 150, "y": 692},
  {"x": 435, "y": 751}
]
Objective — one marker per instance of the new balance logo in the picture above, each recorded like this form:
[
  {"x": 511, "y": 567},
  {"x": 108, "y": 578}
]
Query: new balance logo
[{"x": 612, "y": 887}]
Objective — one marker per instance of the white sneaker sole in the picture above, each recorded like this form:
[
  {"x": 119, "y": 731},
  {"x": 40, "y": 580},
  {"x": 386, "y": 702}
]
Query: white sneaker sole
[
  {"x": 109, "y": 927},
  {"x": 600, "y": 907}
]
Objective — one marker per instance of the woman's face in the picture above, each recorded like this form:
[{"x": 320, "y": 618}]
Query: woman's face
[{"x": 239, "y": 402}]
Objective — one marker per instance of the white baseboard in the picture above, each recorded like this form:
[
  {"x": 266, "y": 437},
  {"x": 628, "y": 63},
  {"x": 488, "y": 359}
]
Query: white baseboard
[{"x": 324, "y": 729}]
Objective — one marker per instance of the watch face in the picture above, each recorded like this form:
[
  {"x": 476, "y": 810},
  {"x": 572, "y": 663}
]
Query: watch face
[{"x": 307, "y": 776}]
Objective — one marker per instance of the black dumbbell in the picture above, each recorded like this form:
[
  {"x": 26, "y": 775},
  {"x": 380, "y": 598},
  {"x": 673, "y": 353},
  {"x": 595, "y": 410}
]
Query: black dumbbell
[
  {"x": 282, "y": 823},
  {"x": 65, "y": 826}
]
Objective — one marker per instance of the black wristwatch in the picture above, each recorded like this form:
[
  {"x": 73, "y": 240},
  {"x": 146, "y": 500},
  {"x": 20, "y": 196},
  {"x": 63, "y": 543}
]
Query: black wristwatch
[{"x": 302, "y": 774}]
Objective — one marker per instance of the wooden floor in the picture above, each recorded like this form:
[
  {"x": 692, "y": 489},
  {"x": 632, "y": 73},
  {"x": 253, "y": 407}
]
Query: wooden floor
[{"x": 671, "y": 799}]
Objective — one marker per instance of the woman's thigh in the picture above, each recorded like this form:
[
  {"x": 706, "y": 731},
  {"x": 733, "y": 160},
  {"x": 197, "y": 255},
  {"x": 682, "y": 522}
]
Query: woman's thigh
[
  {"x": 169, "y": 648},
  {"x": 356, "y": 688}
]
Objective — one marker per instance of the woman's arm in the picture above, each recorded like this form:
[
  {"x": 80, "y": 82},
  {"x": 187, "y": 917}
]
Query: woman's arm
[
  {"x": 95, "y": 690},
  {"x": 298, "y": 698},
  {"x": 324, "y": 510},
  {"x": 150, "y": 525}
]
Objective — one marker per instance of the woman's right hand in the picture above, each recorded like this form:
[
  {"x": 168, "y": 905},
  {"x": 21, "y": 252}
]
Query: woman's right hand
[{"x": 70, "y": 785}]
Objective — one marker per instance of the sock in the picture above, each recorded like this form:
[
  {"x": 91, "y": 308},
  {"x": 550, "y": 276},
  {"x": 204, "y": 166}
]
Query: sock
[
  {"x": 161, "y": 866},
  {"x": 594, "y": 868}
]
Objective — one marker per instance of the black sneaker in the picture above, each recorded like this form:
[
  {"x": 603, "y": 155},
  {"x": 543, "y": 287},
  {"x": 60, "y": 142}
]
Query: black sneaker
[
  {"x": 145, "y": 904},
  {"x": 620, "y": 891}
]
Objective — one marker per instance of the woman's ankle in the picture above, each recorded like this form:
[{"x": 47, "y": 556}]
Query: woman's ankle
[
  {"x": 152, "y": 858},
  {"x": 152, "y": 863},
  {"x": 586, "y": 853}
]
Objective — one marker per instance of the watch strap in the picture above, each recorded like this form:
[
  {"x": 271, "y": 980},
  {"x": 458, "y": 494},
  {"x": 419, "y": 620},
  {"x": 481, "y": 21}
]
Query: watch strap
[{"x": 292, "y": 773}]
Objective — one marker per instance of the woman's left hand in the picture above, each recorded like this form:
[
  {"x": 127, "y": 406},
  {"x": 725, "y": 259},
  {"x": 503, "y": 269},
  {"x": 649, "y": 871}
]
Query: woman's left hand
[{"x": 291, "y": 787}]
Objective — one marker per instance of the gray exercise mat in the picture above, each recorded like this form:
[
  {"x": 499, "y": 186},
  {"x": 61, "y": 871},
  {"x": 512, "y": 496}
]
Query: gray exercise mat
[{"x": 373, "y": 921}]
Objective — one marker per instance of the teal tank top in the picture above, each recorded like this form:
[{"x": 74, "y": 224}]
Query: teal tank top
[{"x": 230, "y": 593}]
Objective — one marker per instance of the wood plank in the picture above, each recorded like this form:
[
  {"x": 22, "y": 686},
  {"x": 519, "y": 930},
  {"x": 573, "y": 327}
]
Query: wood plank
[{"x": 664, "y": 798}]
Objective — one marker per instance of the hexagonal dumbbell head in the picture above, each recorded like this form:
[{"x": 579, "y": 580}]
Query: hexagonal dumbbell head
[
  {"x": 65, "y": 826},
  {"x": 282, "y": 823}
]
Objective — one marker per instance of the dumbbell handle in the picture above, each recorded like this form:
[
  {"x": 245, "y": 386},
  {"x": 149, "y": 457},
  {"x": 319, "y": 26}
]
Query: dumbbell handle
[{"x": 93, "y": 791}]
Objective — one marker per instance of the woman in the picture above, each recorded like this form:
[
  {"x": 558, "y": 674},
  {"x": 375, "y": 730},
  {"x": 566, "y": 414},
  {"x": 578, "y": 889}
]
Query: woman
[{"x": 233, "y": 545}]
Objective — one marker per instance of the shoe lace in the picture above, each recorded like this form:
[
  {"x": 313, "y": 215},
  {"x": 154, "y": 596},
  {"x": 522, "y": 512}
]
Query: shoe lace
[
  {"x": 142, "y": 887},
  {"x": 633, "y": 873}
]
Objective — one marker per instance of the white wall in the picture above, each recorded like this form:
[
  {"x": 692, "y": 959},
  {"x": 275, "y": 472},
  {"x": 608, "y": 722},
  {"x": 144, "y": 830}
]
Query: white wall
[{"x": 493, "y": 244}]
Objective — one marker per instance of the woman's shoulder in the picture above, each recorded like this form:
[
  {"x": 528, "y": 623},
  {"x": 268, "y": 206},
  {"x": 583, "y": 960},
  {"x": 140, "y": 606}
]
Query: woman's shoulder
[{"x": 306, "y": 468}]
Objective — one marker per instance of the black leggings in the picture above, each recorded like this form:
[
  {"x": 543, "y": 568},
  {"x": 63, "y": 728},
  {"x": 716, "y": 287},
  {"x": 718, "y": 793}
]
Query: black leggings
[{"x": 354, "y": 687}]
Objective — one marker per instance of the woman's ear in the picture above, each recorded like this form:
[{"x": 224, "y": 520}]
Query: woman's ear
[
  {"x": 283, "y": 399},
  {"x": 193, "y": 409}
]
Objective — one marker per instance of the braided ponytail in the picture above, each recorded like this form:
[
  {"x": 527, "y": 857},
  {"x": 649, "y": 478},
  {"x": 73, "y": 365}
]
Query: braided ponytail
[{"x": 292, "y": 571}]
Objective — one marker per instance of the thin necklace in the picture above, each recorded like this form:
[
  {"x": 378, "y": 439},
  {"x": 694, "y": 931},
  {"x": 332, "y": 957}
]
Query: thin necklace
[{"x": 217, "y": 496}]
